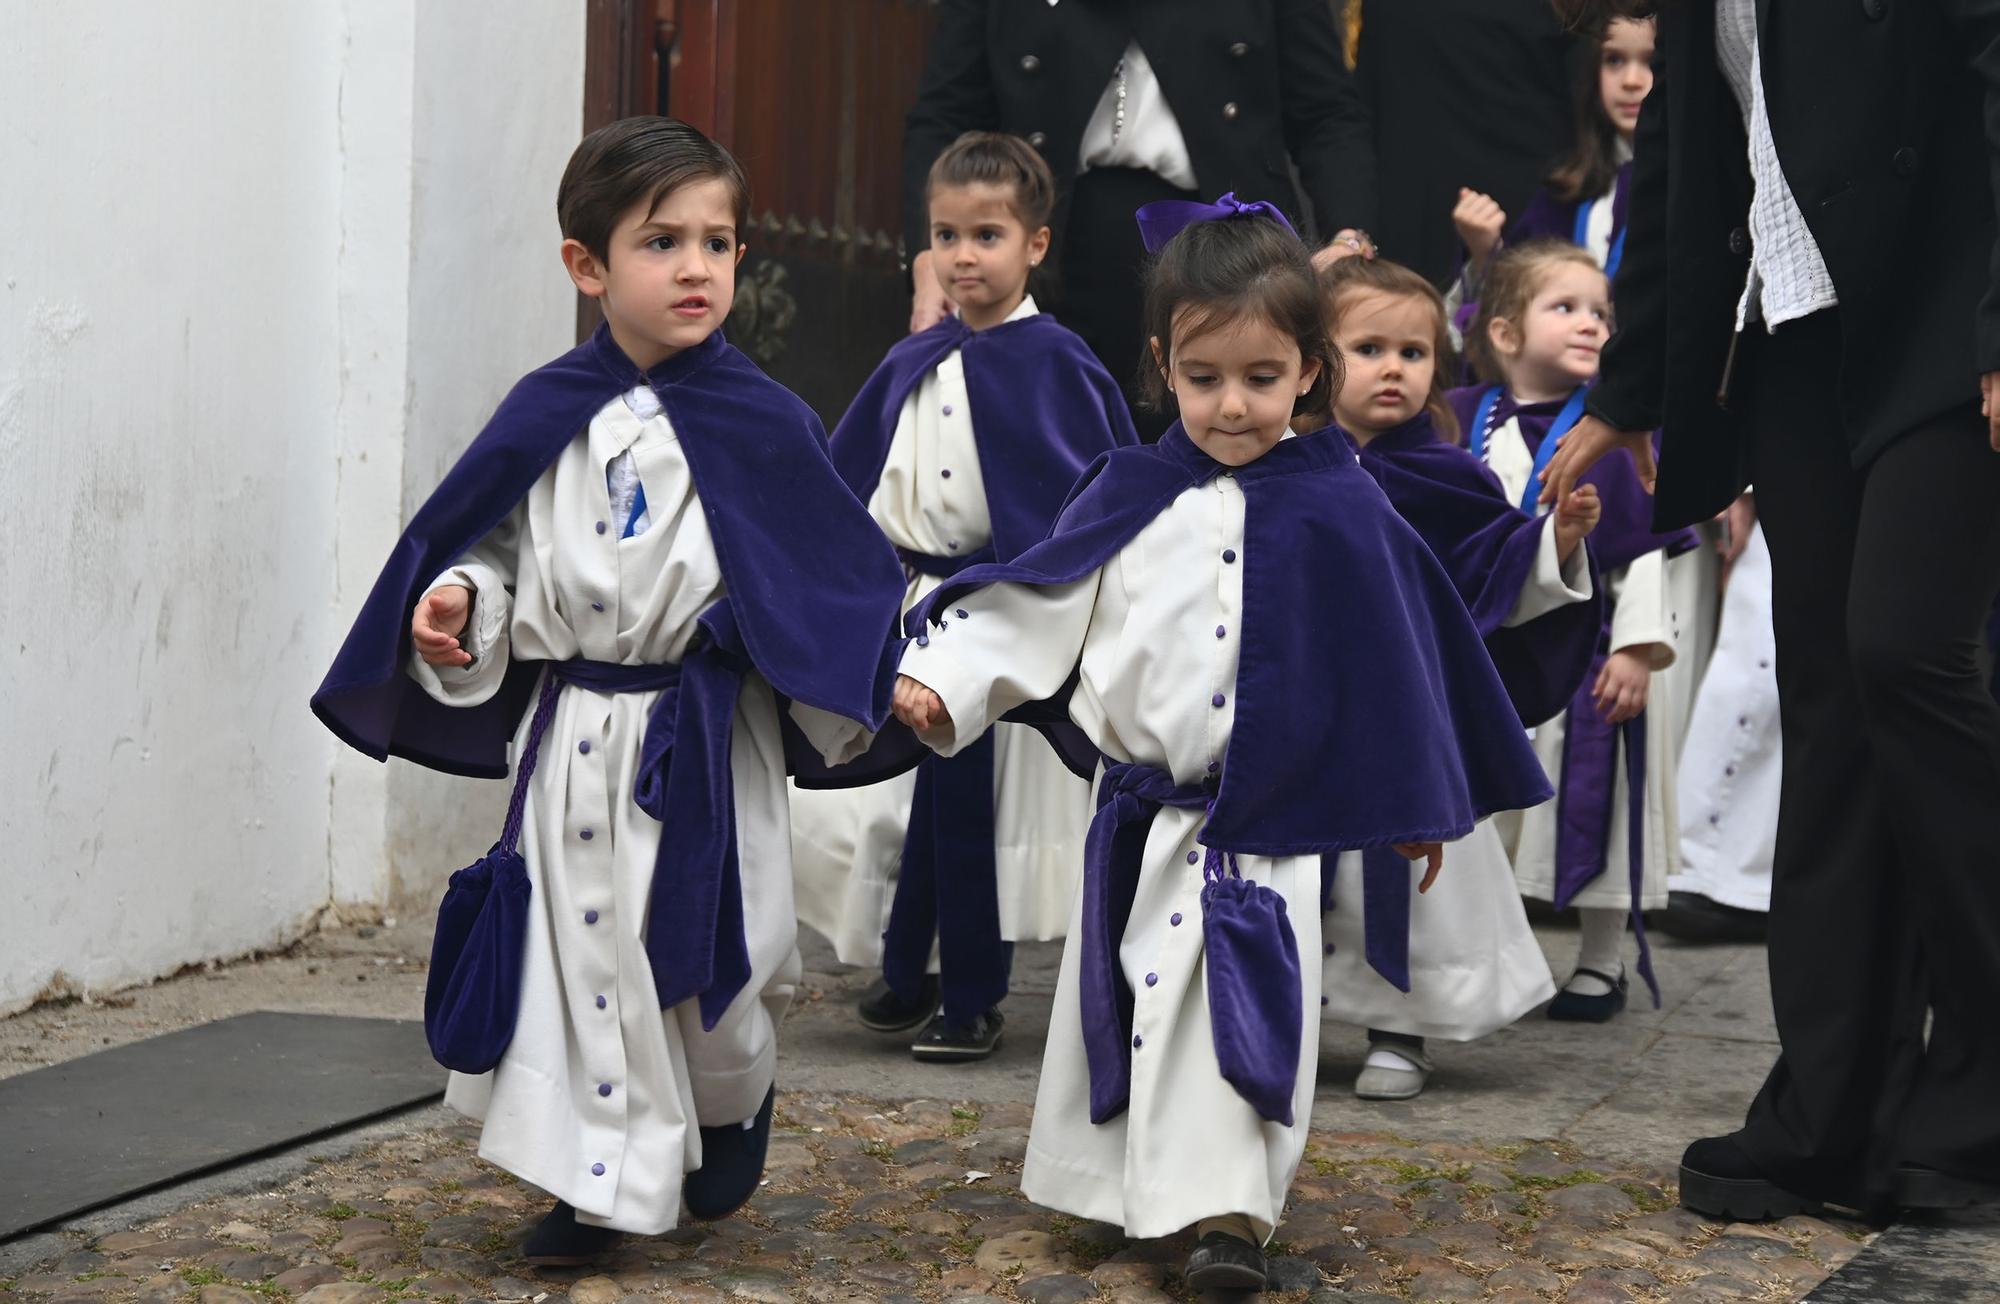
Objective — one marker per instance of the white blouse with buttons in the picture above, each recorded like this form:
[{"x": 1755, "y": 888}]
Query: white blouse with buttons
[
  {"x": 847, "y": 844},
  {"x": 1155, "y": 633},
  {"x": 599, "y": 1095}
]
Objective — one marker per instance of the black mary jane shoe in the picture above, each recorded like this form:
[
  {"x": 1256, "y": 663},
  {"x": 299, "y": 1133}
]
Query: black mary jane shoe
[
  {"x": 1692, "y": 917},
  {"x": 1224, "y": 1262},
  {"x": 1579, "y": 1007},
  {"x": 881, "y": 1010},
  {"x": 1919, "y": 1187},
  {"x": 945, "y": 1042},
  {"x": 1720, "y": 1181},
  {"x": 732, "y": 1163},
  {"x": 560, "y": 1241}
]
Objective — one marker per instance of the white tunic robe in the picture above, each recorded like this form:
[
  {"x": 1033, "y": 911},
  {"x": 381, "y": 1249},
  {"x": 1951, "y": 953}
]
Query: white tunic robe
[
  {"x": 598, "y": 1097},
  {"x": 1639, "y": 618},
  {"x": 1475, "y": 965},
  {"x": 847, "y": 844},
  {"x": 1734, "y": 757},
  {"x": 1155, "y": 633}
]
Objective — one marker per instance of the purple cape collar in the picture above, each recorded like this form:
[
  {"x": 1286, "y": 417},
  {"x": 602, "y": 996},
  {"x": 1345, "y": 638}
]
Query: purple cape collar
[{"x": 813, "y": 586}]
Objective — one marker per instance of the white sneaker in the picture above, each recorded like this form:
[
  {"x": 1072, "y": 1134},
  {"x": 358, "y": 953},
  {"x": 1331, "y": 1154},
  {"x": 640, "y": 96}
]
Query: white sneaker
[{"x": 1393, "y": 1073}]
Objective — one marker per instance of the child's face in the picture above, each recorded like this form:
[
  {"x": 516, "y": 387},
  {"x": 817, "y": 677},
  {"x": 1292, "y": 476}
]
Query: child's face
[
  {"x": 1388, "y": 355},
  {"x": 1235, "y": 384},
  {"x": 1625, "y": 71},
  {"x": 1555, "y": 346},
  {"x": 671, "y": 273},
  {"x": 982, "y": 251}
]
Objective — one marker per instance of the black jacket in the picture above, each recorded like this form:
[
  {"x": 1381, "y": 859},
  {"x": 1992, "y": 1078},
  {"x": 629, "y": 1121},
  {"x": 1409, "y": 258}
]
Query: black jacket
[
  {"x": 1886, "y": 115},
  {"x": 1460, "y": 93},
  {"x": 1256, "y": 86}
]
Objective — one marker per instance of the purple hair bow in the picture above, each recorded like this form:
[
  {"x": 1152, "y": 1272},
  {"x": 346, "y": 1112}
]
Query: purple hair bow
[{"x": 1162, "y": 220}]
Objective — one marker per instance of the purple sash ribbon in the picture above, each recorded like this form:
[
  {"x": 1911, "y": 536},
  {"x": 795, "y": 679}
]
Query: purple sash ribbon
[
  {"x": 1584, "y": 801},
  {"x": 1385, "y": 910},
  {"x": 1254, "y": 998},
  {"x": 694, "y": 921}
]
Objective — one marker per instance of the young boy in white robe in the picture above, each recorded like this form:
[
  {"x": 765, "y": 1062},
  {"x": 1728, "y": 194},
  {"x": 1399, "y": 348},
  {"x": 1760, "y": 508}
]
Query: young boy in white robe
[{"x": 649, "y": 545}]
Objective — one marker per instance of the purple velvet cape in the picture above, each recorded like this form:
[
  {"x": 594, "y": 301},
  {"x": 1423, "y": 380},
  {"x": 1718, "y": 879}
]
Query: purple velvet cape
[
  {"x": 1488, "y": 546},
  {"x": 1367, "y": 714},
  {"x": 1043, "y": 409},
  {"x": 1357, "y": 652},
  {"x": 813, "y": 587}
]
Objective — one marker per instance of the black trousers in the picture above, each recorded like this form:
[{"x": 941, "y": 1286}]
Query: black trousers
[
  {"x": 1102, "y": 264},
  {"x": 1885, "y": 903}
]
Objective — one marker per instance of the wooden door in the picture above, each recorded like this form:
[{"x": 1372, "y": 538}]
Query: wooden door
[{"x": 810, "y": 95}]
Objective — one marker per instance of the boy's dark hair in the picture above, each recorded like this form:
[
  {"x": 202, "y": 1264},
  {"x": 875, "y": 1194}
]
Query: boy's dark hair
[
  {"x": 998, "y": 159},
  {"x": 1213, "y": 272},
  {"x": 638, "y": 161},
  {"x": 1512, "y": 282},
  {"x": 1340, "y": 280}
]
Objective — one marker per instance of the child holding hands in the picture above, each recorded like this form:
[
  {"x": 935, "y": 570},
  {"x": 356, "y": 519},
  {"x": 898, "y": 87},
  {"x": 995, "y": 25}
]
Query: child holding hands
[{"x": 1277, "y": 672}]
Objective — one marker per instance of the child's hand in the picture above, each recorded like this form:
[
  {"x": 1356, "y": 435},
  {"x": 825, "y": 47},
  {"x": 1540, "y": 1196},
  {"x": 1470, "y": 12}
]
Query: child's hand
[
  {"x": 1479, "y": 220},
  {"x": 438, "y": 624},
  {"x": 917, "y": 706},
  {"x": 1433, "y": 852},
  {"x": 1576, "y": 516},
  {"x": 1621, "y": 686}
]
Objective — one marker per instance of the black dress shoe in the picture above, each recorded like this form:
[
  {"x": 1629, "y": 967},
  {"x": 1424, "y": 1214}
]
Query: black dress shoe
[
  {"x": 1577, "y": 1007},
  {"x": 881, "y": 1010},
  {"x": 1692, "y": 917},
  {"x": 943, "y": 1041},
  {"x": 560, "y": 1241},
  {"x": 1719, "y": 1180},
  {"x": 732, "y": 1163},
  {"x": 1224, "y": 1262},
  {"x": 1918, "y": 1187}
]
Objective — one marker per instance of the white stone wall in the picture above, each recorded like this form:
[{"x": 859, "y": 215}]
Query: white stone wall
[{"x": 266, "y": 267}]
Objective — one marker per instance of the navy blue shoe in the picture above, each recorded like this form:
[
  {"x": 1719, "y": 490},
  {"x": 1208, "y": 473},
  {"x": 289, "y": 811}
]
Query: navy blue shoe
[
  {"x": 1222, "y": 1262},
  {"x": 1577, "y": 1007},
  {"x": 560, "y": 1241},
  {"x": 732, "y": 1163}
]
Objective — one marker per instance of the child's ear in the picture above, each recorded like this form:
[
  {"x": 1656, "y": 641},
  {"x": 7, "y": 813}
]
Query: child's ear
[
  {"x": 1308, "y": 376},
  {"x": 1500, "y": 333},
  {"x": 741, "y": 249},
  {"x": 1038, "y": 246},
  {"x": 583, "y": 268},
  {"x": 1160, "y": 359}
]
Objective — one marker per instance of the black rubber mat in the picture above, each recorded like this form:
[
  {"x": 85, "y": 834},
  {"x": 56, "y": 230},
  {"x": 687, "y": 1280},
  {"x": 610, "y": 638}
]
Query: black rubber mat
[{"x": 97, "y": 1130}]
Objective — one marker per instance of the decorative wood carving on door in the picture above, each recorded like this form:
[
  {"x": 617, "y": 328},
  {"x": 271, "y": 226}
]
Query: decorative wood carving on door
[{"x": 810, "y": 95}]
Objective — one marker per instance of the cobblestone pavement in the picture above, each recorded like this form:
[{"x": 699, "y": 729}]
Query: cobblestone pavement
[{"x": 921, "y": 1201}]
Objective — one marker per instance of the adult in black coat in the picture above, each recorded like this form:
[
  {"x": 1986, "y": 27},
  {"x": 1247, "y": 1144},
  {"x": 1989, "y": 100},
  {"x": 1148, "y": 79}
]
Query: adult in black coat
[
  {"x": 1877, "y": 476},
  {"x": 1255, "y": 91},
  {"x": 1461, "y": 93}
]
